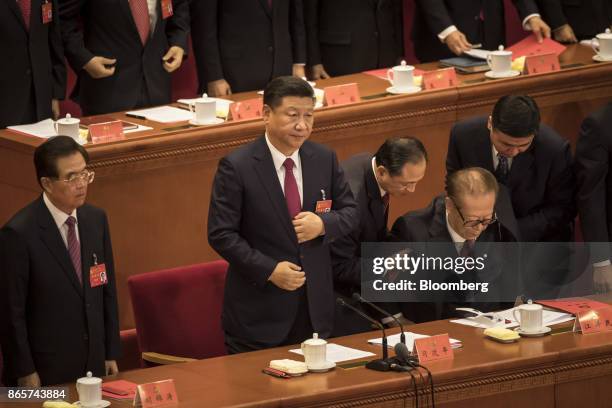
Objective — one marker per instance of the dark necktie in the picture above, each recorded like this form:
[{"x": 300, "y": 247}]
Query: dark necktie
[
  {"x": 292, "y": 194},
  {"x": 467, "y": 250},
  {"x": 501, "y": 172},
  {"x": 74, "y": 248},
  {"x": 26, "y": 10},
  {"x": 140, "y": 12}
]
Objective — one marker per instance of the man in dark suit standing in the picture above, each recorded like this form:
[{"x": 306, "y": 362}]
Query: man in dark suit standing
[
  {"x": 593, "y": 158},
  {"x": 124, "y": 51},
  {"x": 529, "y": 158},
  {"x": 33, "y": 78},
  {"x": 276, "y": 206},
  {"x": 444, "y": 28},
  {"x": 58, "y": 301},
  {"x": 474, "y": 211},
  {"x": 574, "y": 20},
  {"x": 348, "y": 36},
  {"x": 241, "y": 45},
  {"x": 394, "y": 171}
]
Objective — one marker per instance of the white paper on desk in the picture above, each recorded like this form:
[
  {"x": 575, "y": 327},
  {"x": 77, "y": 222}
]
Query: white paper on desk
[
  {"x": 338, "y": 353},
  {"x": 549, "y": 318},
  {"x": 164, "y": 114},
  {"x": 140, "y": 128},
  {"x": 590, "y": 43},
  {"x": 410, "y": 337},
  {"x": 222, "y": 108},
  {"x": 478, "y": 53},
  {"x": 43, "y": 129}
]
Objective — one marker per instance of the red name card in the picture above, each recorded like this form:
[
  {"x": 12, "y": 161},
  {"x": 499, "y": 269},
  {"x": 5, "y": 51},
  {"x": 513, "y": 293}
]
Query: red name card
[
  {"x": 594, "y": 320},
  {"x": 106, "y": 132},
  {"x": 439, "y": 79},
  {"x": 156, "y": 394},
  {"x": 539, "y": 64},
  {"x": 249, "y": 109},
  {"x": 342, "y": 94},
  {"x": 433, "y": 348}
]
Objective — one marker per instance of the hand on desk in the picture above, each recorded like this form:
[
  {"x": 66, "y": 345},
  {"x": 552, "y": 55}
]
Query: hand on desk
[
  {"x": 173, "y": 58},
  {"x": 219, "y": 87},
  {"x": 602, "y": 279},
  {"x": 31, "y": 380},
  {"x": 308, "y": 225},
  {"x": 457, "y": 42},
  {"x": 287, "y": 276},
  {"x": 110, "y": 367},
  {"x": 55, "y": 109},
  {"x": 100, "y": 67},
  {"x": 539, "y": 28},
  {"x": 297, "y": 70},
  {"x": 565, "y": 34},
  {"x": 318, "y": 72}
]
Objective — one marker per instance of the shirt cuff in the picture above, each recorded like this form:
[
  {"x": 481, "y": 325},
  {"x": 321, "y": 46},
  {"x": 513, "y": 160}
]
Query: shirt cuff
[
  {"x": 387, "y": 320},
  {"x": 601, "y": 263},
  {"x": 526, "y": 25},
  {"x": 446, "y": 32},
  {"x": 300, "y": 63}
]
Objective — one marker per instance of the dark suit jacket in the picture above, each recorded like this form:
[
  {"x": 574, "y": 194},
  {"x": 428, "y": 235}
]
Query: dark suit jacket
[
  {"x": 249, "y": 226},
  {"x": 541, "y": 180},
  {"x": 49, "y": 322},
  {"x": 586, "y": 17},
  {"x": 593, "y": 158},
  {"x": 432, "y": 16},
  {"x": 349, "y": 36},
  {"x": 246, "y": 42},
  {"x": 106, "y": 28},
  {"x": 33, "y": 72},
  {"x": 429, "y": 226}
]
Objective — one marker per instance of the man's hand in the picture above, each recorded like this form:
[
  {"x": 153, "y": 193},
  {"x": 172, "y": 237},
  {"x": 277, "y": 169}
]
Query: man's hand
[
  {"x": 287, "y": 276},
  {"x": 602, "y": 279},
  {"x": 539, "y": 28},
  {"x": 100, "y": 67},
  {"x": 308, "y": 225},
  {"x": 55, "y": 109},
  {"x": 32, "y": 380},
  {"x": 110, "y": 367},
  {"x": 297, "y": 70},
  {"x": 317, "y": 72},
  {"x": 457, "y": 42},
  {"x": 565, "y": 34},
  {"x": 219, "y": 87},
  {"x": 173, "y": 58}
]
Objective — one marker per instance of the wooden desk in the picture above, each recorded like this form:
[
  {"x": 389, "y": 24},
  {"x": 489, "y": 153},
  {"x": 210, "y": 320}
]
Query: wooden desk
[
  {"x": 563, "y": 370},
  {"x": 155, "y": 186}
]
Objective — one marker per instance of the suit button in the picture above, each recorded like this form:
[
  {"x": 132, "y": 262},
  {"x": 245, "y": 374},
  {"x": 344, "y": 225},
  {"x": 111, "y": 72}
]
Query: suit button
[
  {"x": 28, "y": 72},
  {"x": 375, "y": 33},
  {"x": 87, "y": 305},
  {"x": 476, "y": 17},
  {"x": 270, "y": 49},
  {"x": 85, "y": 337}
]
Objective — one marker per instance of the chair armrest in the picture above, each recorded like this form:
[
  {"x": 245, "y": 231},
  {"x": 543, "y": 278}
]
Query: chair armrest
[{"x": 158, "y": 358}]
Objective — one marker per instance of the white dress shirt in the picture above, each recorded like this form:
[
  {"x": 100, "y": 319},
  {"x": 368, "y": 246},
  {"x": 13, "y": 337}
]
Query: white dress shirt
[
  {"x": 279, "y": 159},
  {"x": 452, "y": 28},
  {"x": 60, "y": 218},
  {"x": 382, "y": 191},
  {"x": 152, "y": 6},
  {"x": 458, "y": 240}
]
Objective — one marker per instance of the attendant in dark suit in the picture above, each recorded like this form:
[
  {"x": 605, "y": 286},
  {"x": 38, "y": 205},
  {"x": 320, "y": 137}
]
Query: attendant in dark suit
[
  {"x": 348, "y": 36},
  {"x": 574, "y": 20},
  {"x": 58, "y": 312},
  {"x": 530, "y": 158},
  {"x": 444, "y": 28},
  {"x": 394, "y": 171},
  {"x": 263, "y": 220},
  {"x": 474, "y": 211},
  {"x": 123, "y": 51},
  {"x": 593, "y": 158},
  {"x": 33, "y": 78},
  {"x": 241, "y": 45}
]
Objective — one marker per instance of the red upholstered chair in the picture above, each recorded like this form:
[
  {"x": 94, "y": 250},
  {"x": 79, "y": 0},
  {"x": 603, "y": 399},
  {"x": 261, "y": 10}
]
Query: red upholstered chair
[
  {"x": 178, "y": 312},
  {"x": 130, "y": 352}
]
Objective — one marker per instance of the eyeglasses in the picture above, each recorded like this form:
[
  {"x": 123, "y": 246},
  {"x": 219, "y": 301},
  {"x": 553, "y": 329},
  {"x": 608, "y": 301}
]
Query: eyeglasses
[
  {"x": 86, "y": 176},
  {"x": 474, "y": 223}
]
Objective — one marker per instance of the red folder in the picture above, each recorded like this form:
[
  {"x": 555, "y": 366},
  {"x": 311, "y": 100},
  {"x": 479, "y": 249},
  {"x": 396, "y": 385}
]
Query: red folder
[{"x": 530, "y": 46}]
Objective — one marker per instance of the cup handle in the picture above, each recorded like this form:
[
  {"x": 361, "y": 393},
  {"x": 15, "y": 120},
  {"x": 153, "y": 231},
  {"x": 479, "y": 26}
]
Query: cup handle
[
  {"x": 593, "y": 46},
  {"x": 55, "y": 127},
  {"x": 489, "y": 61},
  {"x": 390, "y": 76},
  {"x": 78, "y": 388},
  {"x": 516, "y": 317},
  {"x": 192, "y": 107}
]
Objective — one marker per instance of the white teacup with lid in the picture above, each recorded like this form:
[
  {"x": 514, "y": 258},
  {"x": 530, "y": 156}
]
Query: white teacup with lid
[
  {"x": 500, "y": 61},
  {"x": 401, "y": 77},
  {"x": 68, "y": 126},
  {"x": 204, "y": 110},
  {"x": 603, "y": 45},
  {"x": 89, "y": 389},
  {"x": 315, "y": 352}
]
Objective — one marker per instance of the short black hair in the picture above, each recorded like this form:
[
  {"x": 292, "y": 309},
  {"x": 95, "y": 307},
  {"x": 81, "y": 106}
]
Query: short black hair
[
  {"x": 397, "y": 151},
  {"x": 284, "y": 86},
  {"x": 47, "y": 154},
  {"x": 516, "y": 116}
]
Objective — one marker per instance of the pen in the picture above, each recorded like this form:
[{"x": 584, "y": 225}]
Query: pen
[
  {"x": 131, "y": 115},
  {"x": 474, "y": 46}
]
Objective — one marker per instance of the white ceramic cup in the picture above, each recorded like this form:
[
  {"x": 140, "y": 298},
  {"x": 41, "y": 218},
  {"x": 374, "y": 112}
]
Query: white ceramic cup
[
  {"x": 604, "y": 46},
  {"x": 315, "y": 351},
  {"x": 500, "y": 61},
  {"x": 68, "y": 126},
  {"x": 401, "y": 77},
  {"x": 204, "y": 109},
  {"x": 529, "y": 317},
  {"x": 90, "y": 391}
]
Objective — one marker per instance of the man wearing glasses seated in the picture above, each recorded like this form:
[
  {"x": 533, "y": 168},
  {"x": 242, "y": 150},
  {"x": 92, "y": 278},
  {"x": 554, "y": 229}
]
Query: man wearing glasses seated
[
  {"x": 474, "y": 210},
  {"x": 58, "y": 304}
]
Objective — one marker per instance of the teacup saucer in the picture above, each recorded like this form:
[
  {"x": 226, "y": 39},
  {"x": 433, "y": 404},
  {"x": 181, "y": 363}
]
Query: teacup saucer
[
  {"x": 102, "y": 404},
  {"x": 328, "y": 365},
  {"x": 539, "y": 333},
  {"x": 601, "y": 58},
  {"x": 498, "y": 75},
  {"x": 215, "y": 121},
  {"x": 410, "y": 90}
]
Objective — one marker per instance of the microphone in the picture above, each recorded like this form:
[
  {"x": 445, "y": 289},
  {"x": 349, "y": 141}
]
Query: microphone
[
  {"x": 358, "y": 298},
  {"x": 379, "y": 364}
]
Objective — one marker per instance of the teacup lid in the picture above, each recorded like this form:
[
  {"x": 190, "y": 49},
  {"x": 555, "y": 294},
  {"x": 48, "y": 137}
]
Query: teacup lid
[
  {"x": 205, "y": 98},
  {"x": 607, "y": 35},
  {"x": 89, "y": 379},
  {"x": 501, "y": 51},
  {"x": 315, "y": 341},
  {"x": 68, "y": 119},
  {"x": 403, "y": 66}
]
